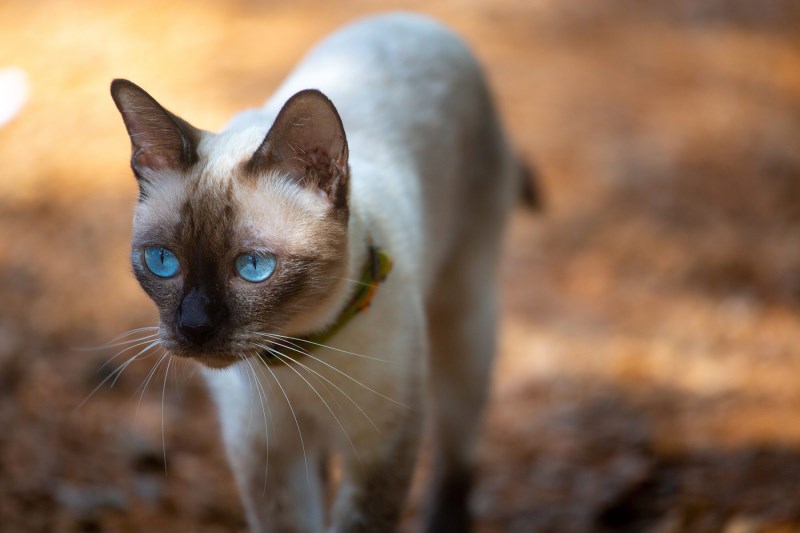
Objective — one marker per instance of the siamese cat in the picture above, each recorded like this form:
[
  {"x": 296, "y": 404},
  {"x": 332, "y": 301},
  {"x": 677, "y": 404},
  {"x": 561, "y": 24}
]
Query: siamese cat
[{"x": 330, "y": 260}]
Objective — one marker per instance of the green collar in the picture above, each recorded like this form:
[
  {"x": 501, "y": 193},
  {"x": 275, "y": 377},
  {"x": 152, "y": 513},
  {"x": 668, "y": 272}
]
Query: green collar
[{"x": 377, "y": 268}]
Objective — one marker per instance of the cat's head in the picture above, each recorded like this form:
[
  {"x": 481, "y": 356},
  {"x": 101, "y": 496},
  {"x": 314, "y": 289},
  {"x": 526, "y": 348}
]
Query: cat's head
[{"x": 238, "y": 234}]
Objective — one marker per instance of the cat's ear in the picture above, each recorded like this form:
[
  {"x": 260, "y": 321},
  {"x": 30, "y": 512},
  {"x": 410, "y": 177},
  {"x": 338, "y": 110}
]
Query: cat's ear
[
  {"x": 308, "y": 144},
  {"x": 159, "y": 139}
]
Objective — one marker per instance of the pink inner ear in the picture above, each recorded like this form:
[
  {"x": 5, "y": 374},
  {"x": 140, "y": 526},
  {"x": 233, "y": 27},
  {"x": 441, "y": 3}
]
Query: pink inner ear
[
  {"x": 319, "y": 133},
  {"x": 152, "y": 159}
]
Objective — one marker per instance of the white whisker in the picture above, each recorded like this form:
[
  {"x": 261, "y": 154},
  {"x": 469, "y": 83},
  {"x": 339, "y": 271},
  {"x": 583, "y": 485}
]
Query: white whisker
[
  {"x": 149, "y": 376},
  {"x": 262, "y": 397},
  {"x": 132, "y": 332},
  {"x": 335, "y": 386},
  {"x": 300, "y": 350},
  {"x": 117, "y": 344},
  {"x": 115, "y": 374},
  {"x": 297, "y": 423},
  {"x": 150, "y": 346},
  {"x": 133, "y": 347},
  {"x": 347, "y": 435},
  {"x": 243, "y": 369},
  {"x": 324, "y": 346},
  {"x": 163, "y": 437}
]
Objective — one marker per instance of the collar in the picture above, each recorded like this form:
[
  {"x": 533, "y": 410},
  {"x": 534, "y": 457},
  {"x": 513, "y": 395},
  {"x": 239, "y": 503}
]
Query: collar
[{"x": 376, "y": 269}]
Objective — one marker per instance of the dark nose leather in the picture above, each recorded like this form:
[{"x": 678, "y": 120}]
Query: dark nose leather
[{"x": 194, "y": 317}]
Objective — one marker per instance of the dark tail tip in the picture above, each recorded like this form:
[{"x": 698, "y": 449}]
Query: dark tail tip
[{"x": 530, "y": 192}]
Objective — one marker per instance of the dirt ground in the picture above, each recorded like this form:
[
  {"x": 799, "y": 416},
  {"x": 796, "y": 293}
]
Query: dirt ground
[{"x": 649, "y": 370}]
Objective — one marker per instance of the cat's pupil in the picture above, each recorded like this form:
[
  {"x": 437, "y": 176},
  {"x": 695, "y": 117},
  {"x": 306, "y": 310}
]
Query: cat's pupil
[{"x": 254, "y": 260}]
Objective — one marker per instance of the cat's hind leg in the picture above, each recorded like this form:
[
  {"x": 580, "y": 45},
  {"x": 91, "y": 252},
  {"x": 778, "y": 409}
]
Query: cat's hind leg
[{"x": 463, "y": 334}]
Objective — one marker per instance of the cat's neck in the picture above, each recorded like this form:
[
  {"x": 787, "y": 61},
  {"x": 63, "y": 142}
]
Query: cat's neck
[{"x": 357, "y": 251}]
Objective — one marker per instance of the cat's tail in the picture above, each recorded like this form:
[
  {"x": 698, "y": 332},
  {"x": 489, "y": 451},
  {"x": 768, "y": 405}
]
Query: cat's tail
[{"x": 530, "y": 190}]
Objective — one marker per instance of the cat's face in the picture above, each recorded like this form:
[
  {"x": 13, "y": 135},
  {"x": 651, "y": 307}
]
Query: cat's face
[{"x": 237, "y": 235}]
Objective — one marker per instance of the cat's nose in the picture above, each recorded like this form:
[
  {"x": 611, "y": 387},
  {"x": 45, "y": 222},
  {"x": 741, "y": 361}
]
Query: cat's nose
[{"x": 194, "y": 317}]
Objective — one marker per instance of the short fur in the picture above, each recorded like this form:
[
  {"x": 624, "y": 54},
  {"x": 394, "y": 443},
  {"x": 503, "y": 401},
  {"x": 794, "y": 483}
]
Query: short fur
[{"x": 402, "y": 148}]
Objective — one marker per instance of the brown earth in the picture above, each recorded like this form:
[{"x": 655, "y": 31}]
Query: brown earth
[{"x": 649, "y": 377}]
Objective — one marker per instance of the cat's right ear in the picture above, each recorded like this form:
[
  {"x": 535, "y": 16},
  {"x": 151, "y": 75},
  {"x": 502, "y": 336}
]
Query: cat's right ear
[
  {"x": 307, "y": 143},
  {"x": 159, "y": 140}
]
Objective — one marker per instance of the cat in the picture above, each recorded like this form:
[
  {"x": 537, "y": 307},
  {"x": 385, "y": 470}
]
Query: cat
[{"x": 330, "y": 261}]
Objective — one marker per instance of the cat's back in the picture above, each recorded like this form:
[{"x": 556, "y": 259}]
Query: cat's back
[{"x": 374, "y": 67}]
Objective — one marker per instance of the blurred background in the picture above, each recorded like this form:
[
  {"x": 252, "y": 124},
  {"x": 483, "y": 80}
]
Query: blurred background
[{"x": 649, "y": 372}]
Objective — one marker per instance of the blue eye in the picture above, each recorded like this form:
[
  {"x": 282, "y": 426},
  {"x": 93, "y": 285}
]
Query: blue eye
[
  {"x": 255, "y": 267},
  {"x": 161, "y": 261}
]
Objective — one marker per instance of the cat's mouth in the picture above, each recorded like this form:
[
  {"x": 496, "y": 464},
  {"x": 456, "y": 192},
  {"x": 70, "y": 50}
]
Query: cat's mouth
[
  {"x": 206, "y": 356},
  {"x": 264, "y": 352},
  {"x": 210, "y": 359}
]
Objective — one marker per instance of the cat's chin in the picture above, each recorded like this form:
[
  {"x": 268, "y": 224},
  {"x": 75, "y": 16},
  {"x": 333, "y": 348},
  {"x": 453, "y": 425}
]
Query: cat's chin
[
  {"x": 214, "y": 360},
  {"x": 218, "y": 362}
]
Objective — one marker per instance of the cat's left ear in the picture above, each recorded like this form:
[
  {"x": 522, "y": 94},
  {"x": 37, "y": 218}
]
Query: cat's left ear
[
  {"x": 159, "y": 140},
  {"x": 308, "y": 144}
]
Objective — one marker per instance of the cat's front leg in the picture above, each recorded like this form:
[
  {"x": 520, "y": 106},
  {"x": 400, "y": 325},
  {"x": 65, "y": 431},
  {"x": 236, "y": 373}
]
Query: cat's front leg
[
  {"x": 277, "y": 474},
  {"x": 289, "y": 498},
  {"x": 377, "y": 469},
  {"x": 374, "y": 486}
]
